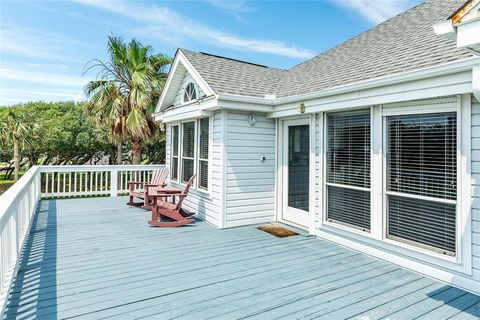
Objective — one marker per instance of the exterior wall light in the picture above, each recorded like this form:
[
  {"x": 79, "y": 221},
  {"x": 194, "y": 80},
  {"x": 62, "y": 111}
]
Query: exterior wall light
[
  {"x": 251, "y": 119},
  {"x": 301, "y": 108}
]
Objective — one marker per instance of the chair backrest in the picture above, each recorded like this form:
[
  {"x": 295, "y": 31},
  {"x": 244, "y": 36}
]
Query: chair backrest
[
  {"x": 159, "y": 176},
  {"x": 185, "y": 191}
]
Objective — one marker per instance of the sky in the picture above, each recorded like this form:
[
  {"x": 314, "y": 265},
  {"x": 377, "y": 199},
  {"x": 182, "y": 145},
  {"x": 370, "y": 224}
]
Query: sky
[{"x": 44, "y": 45}]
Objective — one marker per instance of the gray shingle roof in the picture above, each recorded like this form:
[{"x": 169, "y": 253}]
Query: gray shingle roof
[
  {"x": 233, "y": 76},
  {"x": 403, "y": 43}
]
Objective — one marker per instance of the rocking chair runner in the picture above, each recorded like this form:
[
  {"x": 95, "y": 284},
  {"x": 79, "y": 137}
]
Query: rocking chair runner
[
  {"x": 157, "y": 181},
  {"x": 164, "y": 209}
]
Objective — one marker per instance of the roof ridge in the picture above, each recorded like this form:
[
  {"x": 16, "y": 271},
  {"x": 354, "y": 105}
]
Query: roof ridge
[{"x": 232, "y": 59}]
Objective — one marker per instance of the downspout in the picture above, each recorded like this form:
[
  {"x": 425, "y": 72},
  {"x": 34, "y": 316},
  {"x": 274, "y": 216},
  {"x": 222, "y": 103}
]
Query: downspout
[{"x": 476, "y": 82}]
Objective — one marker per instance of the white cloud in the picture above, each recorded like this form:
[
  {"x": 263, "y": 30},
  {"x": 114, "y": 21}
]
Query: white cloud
[
  {"x": 34, "y": 44},
  {"x": 15, "y": 96},
  {"x": 45, "y": 78},
  {"x": 166, "y": 21},
  {"x": 376, "y": 11},
  {"x": 239, "y": 6},
  {"x": 26, "y": 85}
]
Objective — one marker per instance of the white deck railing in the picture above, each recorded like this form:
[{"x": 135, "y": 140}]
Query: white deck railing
[{"x": 18, "y": 203}]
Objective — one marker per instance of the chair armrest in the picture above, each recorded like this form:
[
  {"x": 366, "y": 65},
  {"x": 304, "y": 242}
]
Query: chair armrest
[
  {"x": 135, "y": 183},
  {"x": 155, "y": 185},
  {"x": 163, "y": 195}
]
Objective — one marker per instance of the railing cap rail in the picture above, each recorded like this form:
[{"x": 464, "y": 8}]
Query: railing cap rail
[
  {"x": 107, "y": 167},
  {"x": 10, "y": 196}
]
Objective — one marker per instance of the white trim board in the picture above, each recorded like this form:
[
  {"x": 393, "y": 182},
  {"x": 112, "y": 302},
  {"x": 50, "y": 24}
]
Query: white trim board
[{"x": 169, "y": 92}]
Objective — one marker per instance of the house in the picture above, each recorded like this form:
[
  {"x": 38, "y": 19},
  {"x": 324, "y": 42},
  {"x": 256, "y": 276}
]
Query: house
[{"x": 373, "y": 144}]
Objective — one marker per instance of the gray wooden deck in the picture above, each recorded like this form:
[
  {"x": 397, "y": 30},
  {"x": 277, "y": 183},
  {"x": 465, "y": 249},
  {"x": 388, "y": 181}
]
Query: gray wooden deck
[{"x": 97, "y": 258}]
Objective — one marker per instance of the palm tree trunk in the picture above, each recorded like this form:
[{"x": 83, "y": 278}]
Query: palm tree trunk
[
  {"x": 136, "y": 151},
  {"x": 119, "y": 153},
  {"x": 16, "y": 159}
]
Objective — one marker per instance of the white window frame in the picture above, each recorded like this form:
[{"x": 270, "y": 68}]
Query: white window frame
[
  {"x": 185, "y": 89},
  {"x": 325, "y": 183},
  {"x": 196, "y": 157},
  {"x": 376, "y": 240},
  {"x": 195, "y": 147},
  {"x": 419, "y": 248},
  {"x": 178, "y": 152}
]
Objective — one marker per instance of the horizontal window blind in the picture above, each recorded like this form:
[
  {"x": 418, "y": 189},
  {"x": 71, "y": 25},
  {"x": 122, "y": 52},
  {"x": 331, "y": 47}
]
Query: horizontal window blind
[
  {"x": 422, "y": 162},
  {"x": 348, "y": 168},
  {"x": 349, "y": 206},
  {"x": 203, "y": 154},
  {"x": 175, "y": 140},
  {"x": 348, "y": 153},
  {"x": 174, "y": 164},
  {"x": 427, "y": 223},
  {"x": 188, "y": 150},
  {"x": 187, "y": 166},
  {"x": 188, "y": 139},
  {"x": 422, "y": 155},
  {"x": 204, "y": 126}
]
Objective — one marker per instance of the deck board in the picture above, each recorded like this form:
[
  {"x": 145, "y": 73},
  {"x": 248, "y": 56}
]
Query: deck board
[{"x": 98, "y": 258}]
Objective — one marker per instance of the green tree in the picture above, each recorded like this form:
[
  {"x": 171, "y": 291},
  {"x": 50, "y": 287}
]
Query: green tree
[
  {"x": 17, "y": 130},
  {"x": 126, "y": 90}
]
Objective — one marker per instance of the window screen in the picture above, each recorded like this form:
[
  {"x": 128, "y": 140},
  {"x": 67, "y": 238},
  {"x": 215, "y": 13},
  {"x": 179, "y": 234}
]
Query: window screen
[
  {"x": 203, "y": 154},
  {"x": 174, "y": 164},
  {"x": 188, "y": 150},
  {"x": 348, "y": 168},
  {"x": 421, "y": 162}
]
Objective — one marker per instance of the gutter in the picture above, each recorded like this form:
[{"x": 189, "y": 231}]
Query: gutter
[
  {"x": 447, "y": 68},
  {"x": 271, "y": 101}
]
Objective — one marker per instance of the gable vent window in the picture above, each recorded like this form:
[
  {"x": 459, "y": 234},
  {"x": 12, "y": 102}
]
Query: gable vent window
[
  {"x": 348, "y": 168},
  {"x": 190, "y": 92},
  {"x": 421, "y": 180}
]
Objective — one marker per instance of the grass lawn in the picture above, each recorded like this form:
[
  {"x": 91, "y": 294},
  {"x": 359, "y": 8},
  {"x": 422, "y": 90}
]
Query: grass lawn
[{"x": 5, "y": 184}]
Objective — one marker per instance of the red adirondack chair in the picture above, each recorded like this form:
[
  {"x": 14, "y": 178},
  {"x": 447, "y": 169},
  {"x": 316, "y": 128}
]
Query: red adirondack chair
[
  {"x": 172, "y": 210},
  {"x": 147, "y": 189}
]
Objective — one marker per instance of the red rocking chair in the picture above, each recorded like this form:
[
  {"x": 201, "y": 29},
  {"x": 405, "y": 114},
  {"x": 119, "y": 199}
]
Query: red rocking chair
[
  {"x": 157, "y": 181},
  {"x": 164, "y": 209}
]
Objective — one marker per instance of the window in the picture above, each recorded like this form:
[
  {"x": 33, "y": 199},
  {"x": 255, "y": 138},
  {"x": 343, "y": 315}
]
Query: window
[
  {"x": 421, "y": 180},
  {"x": 190, "y": 92},
  {"x": 175, "y": 142},
  {"x": 203, "y": 153},
  {"x": 188, "y": 150},
  {"x": 348, "y": 168}
]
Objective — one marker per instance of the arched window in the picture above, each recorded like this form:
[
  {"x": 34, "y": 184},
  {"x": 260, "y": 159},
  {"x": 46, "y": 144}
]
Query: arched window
[{"x": 190, "y": 93}]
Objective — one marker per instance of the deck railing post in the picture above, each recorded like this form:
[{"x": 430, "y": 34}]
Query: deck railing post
[{"x": 113, "y": 182}]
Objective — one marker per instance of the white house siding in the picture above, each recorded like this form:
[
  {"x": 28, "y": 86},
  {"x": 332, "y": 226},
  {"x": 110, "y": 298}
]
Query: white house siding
[
  {"x": 476, "y": 188},
  {"x": 250, "y": 193},
  {"x": 208, "y": 205},
  {"x": 186, "y": 80},
  {"x": 336, "y": 234}
]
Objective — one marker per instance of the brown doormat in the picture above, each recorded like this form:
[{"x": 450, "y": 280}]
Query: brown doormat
[{"x": 277, "y": 230}]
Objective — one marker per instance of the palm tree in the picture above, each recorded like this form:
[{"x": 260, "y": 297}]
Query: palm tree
[
  {"x": 126, "y": 90},
  {"x": 18, "y": 129}
]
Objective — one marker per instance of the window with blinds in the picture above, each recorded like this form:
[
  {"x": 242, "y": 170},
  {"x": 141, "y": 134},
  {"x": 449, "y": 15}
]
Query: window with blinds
[
  {"x": 348, "y": 168},
  {"x": 188, "y": 150},
  {"x": 174, "y": 163},
  {"x": 421, "y": 180},
  {"x": 203, "y": 153}
]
